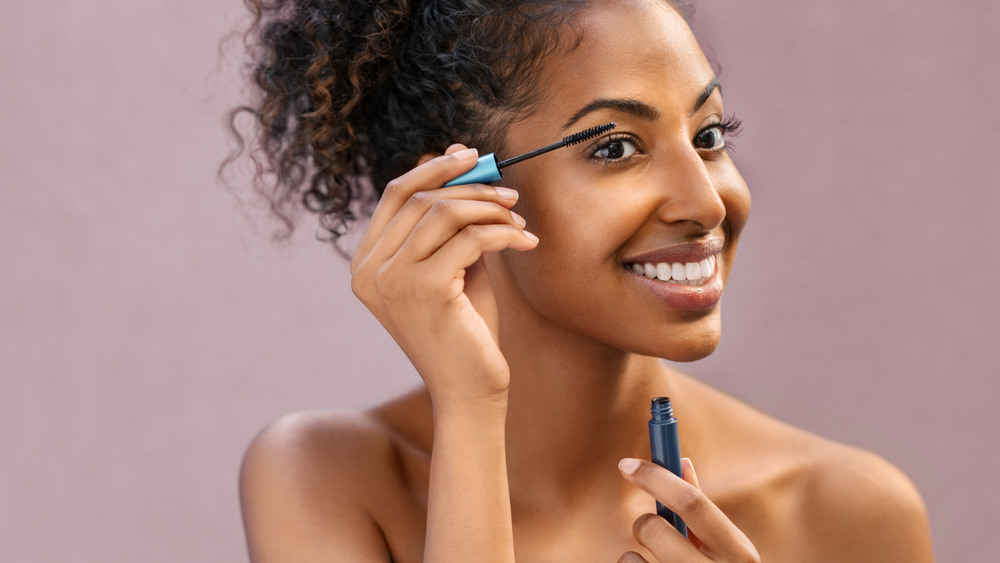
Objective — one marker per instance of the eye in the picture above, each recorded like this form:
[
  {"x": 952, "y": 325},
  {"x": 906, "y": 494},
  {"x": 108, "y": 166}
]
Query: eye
[
  {"x": 615, "y": 148},
  {"x": 714, "y": 136},
  {"x": 711, "y": 138}
]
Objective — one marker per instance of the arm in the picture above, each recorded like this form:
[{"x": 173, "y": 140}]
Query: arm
[
  {"x": 419, "y": 270},
  {"x": 468, "y": 513}
]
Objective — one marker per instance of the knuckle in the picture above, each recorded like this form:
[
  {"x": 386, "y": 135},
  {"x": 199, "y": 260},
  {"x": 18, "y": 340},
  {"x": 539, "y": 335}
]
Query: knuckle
[
  {"x": 357, "y": 287},
  {"x": 393, "y": 188},
  {"x": 648, "y": 528},
  {"x": 474, "y": 232},
  {"x": 443, "y": 208},
  {"x": 420, "y": 200},
  {"x": 693, "y": 501},
  {"x": 385, "y": 283},
  {"x": 489, "y": 192},
  {"x": 360, "y": 281}
]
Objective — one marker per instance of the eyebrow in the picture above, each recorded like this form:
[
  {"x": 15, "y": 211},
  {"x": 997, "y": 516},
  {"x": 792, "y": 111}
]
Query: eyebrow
[
  {"x": 636, "y": 108},
  {"x": 705, "y": 95}
]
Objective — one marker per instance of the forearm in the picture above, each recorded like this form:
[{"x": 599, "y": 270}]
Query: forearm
[{"x": 468, "y": 514}]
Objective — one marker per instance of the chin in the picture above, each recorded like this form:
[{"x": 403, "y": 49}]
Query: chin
[
  {"x": 691, "y": 352},
  {"x": 689, "y": 343}
]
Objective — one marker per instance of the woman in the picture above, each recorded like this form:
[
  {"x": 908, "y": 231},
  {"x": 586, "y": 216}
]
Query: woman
[{"x": 536, "y": 312}]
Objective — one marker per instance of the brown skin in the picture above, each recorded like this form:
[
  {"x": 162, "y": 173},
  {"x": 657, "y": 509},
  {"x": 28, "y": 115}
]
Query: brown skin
[{"x": 518, "y": 469}]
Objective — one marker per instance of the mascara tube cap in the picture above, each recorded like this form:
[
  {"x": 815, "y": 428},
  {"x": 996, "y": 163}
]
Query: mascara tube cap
[{"x": 486, "y": 171}]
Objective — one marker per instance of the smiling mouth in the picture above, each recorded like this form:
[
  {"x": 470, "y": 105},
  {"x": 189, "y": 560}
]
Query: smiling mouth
[{"x": 680, "y": 273}]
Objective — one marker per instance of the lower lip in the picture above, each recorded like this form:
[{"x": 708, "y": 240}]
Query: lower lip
[{"x": 685, "y": 297}]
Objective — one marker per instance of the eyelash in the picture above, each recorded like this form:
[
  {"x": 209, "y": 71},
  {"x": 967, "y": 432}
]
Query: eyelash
[
  {"x": 731, "y": 127},
  {"x": 606, "y": 142}
]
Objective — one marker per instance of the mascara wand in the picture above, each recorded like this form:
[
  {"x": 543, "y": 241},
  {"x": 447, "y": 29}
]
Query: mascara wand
[{"x": 487, "y": 169}]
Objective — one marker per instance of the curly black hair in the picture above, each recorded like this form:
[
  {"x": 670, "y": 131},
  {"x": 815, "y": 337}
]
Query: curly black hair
[{"x": 350, "y": 94}]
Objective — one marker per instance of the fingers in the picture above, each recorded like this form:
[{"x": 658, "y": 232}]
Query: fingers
[
  {"x": 720, "y": 537},
  {"x": 450, "y": 150},
  {"x": 632, "y": 557},
  {"x": 663, "y": 541},
  {"x": 428, "y": 218},
  {"x": 687, "y": 472},
  {"x": 429, "y": 175},
  {"x": 469, "y": 244},
  {"x": 689, "y": 475},
  {"x": 448, "y": 218}
]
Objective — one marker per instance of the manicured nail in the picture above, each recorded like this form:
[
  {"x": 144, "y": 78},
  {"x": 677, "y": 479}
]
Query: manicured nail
[
  {"x": 507, "y": 193},
  {"x": 628, "y": 466},
  {"x": 531, "y": 236},
  {"x": 466, "y": 154},
  {"x": 518, "y": 219}
]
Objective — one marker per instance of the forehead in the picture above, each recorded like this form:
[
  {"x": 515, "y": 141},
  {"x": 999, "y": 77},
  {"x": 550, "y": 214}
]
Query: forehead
[{"x": 636, "y": 49}]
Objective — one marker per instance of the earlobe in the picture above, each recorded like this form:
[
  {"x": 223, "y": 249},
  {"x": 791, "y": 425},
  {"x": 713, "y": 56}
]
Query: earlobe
[{"x": 427, "y": 157}]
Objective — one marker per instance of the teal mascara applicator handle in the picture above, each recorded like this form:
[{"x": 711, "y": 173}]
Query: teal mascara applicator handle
[{"x": 487, "y": 169}]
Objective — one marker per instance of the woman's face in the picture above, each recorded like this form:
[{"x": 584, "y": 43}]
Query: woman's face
[{"x": 659, "y": 189}]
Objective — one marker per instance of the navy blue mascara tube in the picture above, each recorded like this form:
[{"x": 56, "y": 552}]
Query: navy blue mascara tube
[{"x": 665, "y": 448}]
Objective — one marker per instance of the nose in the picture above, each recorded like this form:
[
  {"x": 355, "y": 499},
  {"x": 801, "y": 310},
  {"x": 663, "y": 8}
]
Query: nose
[{"x": 689, "y": 192}]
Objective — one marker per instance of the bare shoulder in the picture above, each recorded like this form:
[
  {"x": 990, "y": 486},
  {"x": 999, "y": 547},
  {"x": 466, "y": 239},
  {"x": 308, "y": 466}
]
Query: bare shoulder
[
  {"x": 858, "y": 506},
  {"x": 305, "y": 486},
  {"x": 801, "y": 497}
]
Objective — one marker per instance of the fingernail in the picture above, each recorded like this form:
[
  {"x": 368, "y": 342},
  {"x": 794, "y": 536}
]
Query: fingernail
[
  {"x": 531, "y": 236},
  {"x": 507, "y": 193},
  {"x": 466, "y": 154},
  {"x": 628, "y": 466},
  {"x": 518, "y": 219}
]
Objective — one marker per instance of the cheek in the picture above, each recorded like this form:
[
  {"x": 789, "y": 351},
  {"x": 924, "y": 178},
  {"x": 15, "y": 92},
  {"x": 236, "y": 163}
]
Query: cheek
[
  {"x": 581, "y": 233},
  {"x": 582, "y": 226}
]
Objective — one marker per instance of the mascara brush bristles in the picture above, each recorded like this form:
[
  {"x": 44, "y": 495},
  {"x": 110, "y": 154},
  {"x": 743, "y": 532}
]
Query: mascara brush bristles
[
  {"x": 588, "y": 134},
  {"x": 571, "y": 140}
]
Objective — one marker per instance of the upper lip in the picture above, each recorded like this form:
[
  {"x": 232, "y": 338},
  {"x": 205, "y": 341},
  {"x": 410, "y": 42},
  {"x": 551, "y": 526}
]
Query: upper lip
[{"x": 690, "y": 252}]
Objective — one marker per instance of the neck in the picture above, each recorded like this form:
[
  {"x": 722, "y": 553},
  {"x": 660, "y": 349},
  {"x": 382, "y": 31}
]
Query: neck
[{"x": 575, "y": 409}]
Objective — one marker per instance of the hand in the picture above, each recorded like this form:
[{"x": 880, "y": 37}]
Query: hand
[
  {"x": 418, "y": 269},
  {"x": 717, "y": 539}
]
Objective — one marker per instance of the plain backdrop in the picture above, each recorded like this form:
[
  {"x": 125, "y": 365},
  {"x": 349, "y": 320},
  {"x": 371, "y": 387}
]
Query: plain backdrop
[{"x": 149, "y": 327}]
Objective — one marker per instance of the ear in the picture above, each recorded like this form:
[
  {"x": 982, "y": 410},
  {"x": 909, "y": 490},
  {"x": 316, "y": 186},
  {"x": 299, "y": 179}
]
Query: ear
[
  {"x": 432, "y": 155},
  {"x": 427, "y": 157}
]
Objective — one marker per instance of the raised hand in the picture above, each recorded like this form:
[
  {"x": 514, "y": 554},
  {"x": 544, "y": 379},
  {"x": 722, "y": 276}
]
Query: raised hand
[{"x": 418, "y": 269}]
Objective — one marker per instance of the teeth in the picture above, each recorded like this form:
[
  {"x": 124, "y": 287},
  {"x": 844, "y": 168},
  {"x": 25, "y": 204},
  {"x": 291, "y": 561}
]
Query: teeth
[
  {"x": 693, "y": 270},
  {"x": 707, "y": 267},
  {"x": 684, "y": 273},
  {"x": 678, "y": 272},
  {"x": 663, "y": 271}
]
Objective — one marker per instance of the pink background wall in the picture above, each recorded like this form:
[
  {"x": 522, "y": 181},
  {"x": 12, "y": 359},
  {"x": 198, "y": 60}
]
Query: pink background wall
[{"x": 148, "y": 328}]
